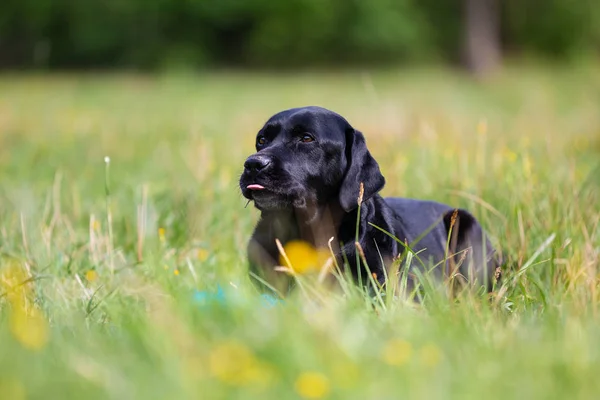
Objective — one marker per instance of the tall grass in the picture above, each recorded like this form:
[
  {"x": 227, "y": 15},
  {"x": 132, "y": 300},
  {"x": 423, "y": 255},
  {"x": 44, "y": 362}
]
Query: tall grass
[{"x": 105, "y": 276}]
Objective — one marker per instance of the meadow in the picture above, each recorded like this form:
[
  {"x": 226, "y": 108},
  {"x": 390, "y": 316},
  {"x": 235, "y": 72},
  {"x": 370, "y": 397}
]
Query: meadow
[{"x": 120, "y": 207}]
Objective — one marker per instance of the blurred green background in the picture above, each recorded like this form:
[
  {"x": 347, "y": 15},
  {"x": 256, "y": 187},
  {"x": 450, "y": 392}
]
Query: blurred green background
[{"x": 155, "y": 34}]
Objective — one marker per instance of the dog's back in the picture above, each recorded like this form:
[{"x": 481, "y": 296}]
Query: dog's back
[{"x": 436, "y": 231}]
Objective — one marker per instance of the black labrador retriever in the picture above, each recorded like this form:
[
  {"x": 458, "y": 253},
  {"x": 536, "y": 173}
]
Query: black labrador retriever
[{"x": 310, "y": 168}]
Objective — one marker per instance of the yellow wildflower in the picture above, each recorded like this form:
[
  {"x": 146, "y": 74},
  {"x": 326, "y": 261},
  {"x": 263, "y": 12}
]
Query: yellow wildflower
[
  {"x": 202, "y": 254},
  {"x": 233, "y": 363},
  {"x": 396, "y": 352},
  {"x": 91, "y": 275},
  {"x": 312, "y": 385},
  {"x": 12, "y": 280},
  {"x": 161, "y": 234},
  {"x": 28, "y": 326},
  {"x": 303, "y": 257},
  {"x": 176, "y": 272}
]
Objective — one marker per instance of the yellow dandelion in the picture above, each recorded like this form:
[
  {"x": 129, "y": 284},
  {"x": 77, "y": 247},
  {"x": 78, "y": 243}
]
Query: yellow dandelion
[
  {"x": 176, "y": 272},
  {"x": 430, "y": 355},
  {"x": 28, "y": 326},
  {"x": 303, "y": 257},
  {"x": 202, "y": 254},
  {"x": 161, "y": 234},
  {"x": 233, "y": 363},
  {"x": 396, "y": 352},
  {"x": 13, "y": 281},
  {"x": 12, "y": 275},
  {"x": 312, "y": 385},
  {"x": 91, "y": 275}
]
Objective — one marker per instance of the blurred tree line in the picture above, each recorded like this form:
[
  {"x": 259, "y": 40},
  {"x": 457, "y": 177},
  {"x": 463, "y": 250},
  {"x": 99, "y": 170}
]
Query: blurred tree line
[{"x": 286, "y": 33}]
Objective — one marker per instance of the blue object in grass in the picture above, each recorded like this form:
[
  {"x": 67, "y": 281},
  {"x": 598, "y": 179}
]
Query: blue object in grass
[
  {"x": 269, "y": 301},
  {"x": 204, "y": 297}
]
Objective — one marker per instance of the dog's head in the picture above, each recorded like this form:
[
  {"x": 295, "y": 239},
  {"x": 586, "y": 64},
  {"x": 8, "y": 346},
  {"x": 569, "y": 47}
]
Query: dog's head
[{"x": 309, "y": 155}]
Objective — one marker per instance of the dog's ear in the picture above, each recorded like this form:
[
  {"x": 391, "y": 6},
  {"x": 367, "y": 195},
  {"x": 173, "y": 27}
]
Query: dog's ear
[{"x": 361, "y": 167}]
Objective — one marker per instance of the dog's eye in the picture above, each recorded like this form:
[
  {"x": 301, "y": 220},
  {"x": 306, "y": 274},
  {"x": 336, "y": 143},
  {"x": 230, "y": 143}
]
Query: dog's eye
[
  {"x": 261, "y": 140},
  {"x": 307, "y": 138}
]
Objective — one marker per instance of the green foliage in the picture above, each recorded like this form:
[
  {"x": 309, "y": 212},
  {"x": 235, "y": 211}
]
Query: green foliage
[
  {"x": 265, "y": 33},
  {"x": 558, "y": 28}
]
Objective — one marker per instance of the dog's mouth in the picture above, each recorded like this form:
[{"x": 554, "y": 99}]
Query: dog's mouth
[
  {"x": 272, "y": 192},
  {"x": 255, "y": 191},
  {"x": 267, "y": 196},
  {"x": 255, "y": 187}
]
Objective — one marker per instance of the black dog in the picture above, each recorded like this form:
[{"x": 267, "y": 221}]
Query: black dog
[{"x": 306, "y": 178}]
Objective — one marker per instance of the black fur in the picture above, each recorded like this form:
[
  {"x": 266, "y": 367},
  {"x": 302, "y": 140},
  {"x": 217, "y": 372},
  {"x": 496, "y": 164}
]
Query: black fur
[{"x": 311, "y": 190}]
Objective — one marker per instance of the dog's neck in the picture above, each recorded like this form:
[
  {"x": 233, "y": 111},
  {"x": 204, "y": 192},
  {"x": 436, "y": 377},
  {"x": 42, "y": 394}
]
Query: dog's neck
[{"x": 314, "y": 224}]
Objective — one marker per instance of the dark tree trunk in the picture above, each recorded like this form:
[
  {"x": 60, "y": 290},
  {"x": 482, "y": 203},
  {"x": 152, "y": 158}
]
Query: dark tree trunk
[{"x": 482, "y": 36}]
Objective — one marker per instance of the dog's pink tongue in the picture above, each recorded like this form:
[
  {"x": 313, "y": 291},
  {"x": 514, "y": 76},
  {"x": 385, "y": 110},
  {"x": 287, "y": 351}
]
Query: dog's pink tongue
[{"x": 255, "y": 186}]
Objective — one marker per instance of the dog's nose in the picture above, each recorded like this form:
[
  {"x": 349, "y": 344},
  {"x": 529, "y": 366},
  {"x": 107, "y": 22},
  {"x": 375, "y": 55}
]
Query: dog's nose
[{"x": 256, "y": 163}]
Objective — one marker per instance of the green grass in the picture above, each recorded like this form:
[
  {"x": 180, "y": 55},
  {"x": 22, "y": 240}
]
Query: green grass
[{"x": 521, "y": 152}]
